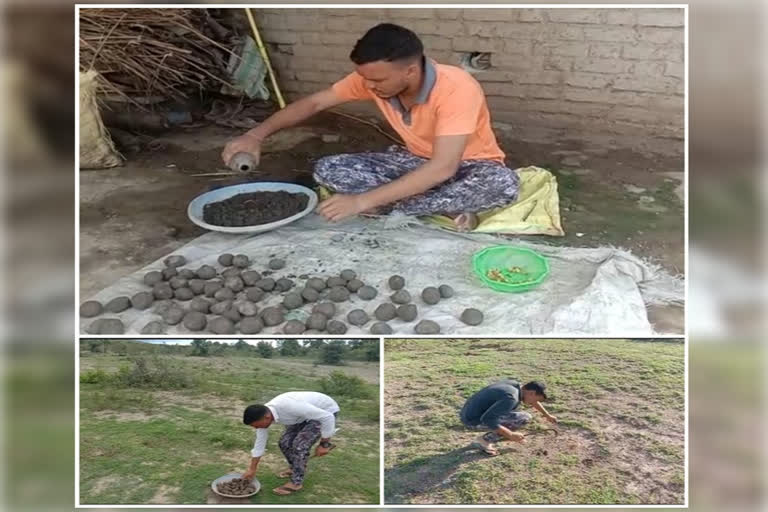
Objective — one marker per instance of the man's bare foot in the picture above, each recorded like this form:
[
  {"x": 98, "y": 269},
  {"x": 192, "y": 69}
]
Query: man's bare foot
[
  {"x": 466, "y": 222},
  {"x": 286, "y": 489},
  {"x": 285, "y": 474},
  {"x": 484, "y": 445}
]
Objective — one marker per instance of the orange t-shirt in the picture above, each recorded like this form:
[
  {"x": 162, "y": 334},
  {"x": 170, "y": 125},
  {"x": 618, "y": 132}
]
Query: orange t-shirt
[{"x": 451, "y": 102}]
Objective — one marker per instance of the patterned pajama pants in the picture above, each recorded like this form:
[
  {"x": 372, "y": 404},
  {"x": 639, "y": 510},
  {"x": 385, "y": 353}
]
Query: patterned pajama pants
[
  {"x": 513, "y": 421},
  {"x": 296, "y": 443},
  {"x": 478, "y": 185}
]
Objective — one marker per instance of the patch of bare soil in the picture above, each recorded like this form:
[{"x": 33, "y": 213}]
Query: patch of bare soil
[{"x": 164, "y": 495}]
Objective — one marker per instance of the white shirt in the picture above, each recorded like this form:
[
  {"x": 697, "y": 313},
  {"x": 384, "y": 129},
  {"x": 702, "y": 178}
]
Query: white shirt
[{"x": 296, "y": 407}]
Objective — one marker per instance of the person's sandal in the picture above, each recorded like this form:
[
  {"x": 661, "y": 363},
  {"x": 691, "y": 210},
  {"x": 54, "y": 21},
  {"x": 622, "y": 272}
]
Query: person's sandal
[
  {"x": 492, "y": 452},
  {"x": 285, "y": 474},
  {"x": 466, "y": 222},
  {"x": 284, "y": 490}
]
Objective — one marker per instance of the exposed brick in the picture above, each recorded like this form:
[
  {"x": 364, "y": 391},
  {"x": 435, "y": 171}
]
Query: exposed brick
[
  {"x": 495, "y": 76},
  {"x": 514, "y": 47},
  {"x": 524, "y": 31},
  {"x": 613, "y": 33},
  {"x": 621, "y": 16},
  {"x": 648, "y": 68},
  {"x": 602, "y": 96},
  {"x": 665, "y": 102},
  {"x": 339, "y": 38},
  {"x": 557, "y": 63},
  {"x": 305, "y": 20},
  {"x": 540, "y": 77},
  {"x": 349, "y": 12},
  {"x": 661, "y": 17},
  {"x": 419, "y": 14},
  {"x": 569, "y": 49},
  {"x": 328, "y": 52},
  {"x": 280, "y": 36},
  {"x": 327, "y": 77},
  {"x": 588, "y": 80},
  {"x": 562, "y": 32},
  {"x": 477, "y": 44},
  {"x": 503, "y": 89},
  {"x": 351, "y": 24},
  {"x": 490, "y": 14},
  {"x": 675, "y": 69},
  {"x": 542, "y": 91},
  {"x": 648, "y": 84},
  {"x": 642, "y": 51},
  {"x": 448, "y": 14},
  {"x": 512, "y": 62},
  {"x": 605, "y": 50},
  {"x": 531, "y": 15},
  {"x": 661, "y": 35},
  {"x": 445, "y": 57},
  {"x": 574, "y": 15},
  {"x": 311, "y": 37},
  {"x": 436, "y": 42},
  {"x": 636, "y": 114},
  {"x": 439, "y": 28},
  {"x": 602, "y": 65}
]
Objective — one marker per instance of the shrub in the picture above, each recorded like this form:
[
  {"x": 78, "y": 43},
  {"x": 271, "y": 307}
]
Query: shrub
[
  {"x": 264, "y": 349},
  {"x": 94, "y": 377},
  {"x": 340, "y": 384},
  {"x": 154, "y": 373},
  {"x": 332, "y": 353}
]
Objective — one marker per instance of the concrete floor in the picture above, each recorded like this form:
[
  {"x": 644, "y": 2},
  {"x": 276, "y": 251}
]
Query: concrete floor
[{"x": 133, "y": 215}]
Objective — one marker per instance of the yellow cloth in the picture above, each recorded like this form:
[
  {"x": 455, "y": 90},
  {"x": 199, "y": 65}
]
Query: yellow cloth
[{"x": 536, "y": 211}]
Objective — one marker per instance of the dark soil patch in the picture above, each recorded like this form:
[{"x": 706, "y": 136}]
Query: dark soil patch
[{"x": 254, "y": 208}]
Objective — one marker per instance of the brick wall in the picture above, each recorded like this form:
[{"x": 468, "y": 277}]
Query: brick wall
[{"x": 602, "y": 76}]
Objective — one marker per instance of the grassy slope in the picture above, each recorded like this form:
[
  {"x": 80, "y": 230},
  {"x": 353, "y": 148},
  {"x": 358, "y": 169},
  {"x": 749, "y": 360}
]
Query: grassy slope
[{"x": 620, "y": 406}]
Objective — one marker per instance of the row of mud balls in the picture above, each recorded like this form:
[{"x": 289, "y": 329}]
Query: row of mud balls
[{"x": 185, "y": 285}]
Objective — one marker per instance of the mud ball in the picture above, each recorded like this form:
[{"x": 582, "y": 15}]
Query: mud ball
[
  {"x": 310, "y": 294},
  {"x": 187, "y": 274},
  {"x": 348, "y": 274},
  {"x": 250, "y": 277},
  {"x": 232, "y": 313},
  {"x": 254, "y": 294},
  {"x": 241, "y": 261},
  {"x": 336, "y": 327},
  {"x": 211, "y": 287},
  {"x": 194, "y": 321},
  {"x": 293, "y": 301},
  {"x": 354, "y": 285},
  {"x": 234, "y": 283},
  {"x": 267, "y": 284},
  {"x": 293, "y": 327},
  {"x": 272, "y": 316},
  {"x": 154, "y": 327},
  {"x": 173, "y": 315},
  {"x": 225, "y": 260},
  {"x": 328, "y": 309},
  {"x": 317, "y": 321},
  {"x": 224, "y": 294},
  {"x": 385, "y": 312},
  {"x": 251, "y": 325},
  {"x": 231, "y": 272},
  {"x": 177, "y": 282},
  {"x": 221, "y": 325},
  {"x": 381, "y": 328},
  {"x": 400, "y": 297},
  {"x": 206, "y": 272},
  {"x": 118, "y": 304},
  {"x": 184, "y": 294},
  {"x": 247, "y": 308},
  {"x": 472, "y": 316},
  {"x": 152, "y": 278},
  {"x": 220, "y": 307},
  {"x": 200, "y": 304},
  {"x": 430, "y": 295},
  {"x": 407, "y": 312},
  {"x": 175, "y": 261},
  {"x": 339, "y": 294},
  {"x": 358, "y": 317},
  {"x": 106, "y": 326},
  {"x": 367, "y": 292},
  {"x": 335, "y": 281},
  {"x": 396, "y": 282},
  {"x": 162, "y": 291},
  {"x": 159, "y": 307},
  {"x": 142, "y": 300},
  {"x": 169, "y": 272},
  {"x": 283, "y": 284},
  {"x": 316, "y": 284},
  {"x": 91, "y": 308},
  {"x": 276, "y": 263},
  {"x": 427, "y": 327},
  {"x": 197, "y": 286}
]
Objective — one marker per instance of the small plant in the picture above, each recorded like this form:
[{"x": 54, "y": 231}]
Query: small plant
[
  {"x": 154, "y": 373},
  {"x": 340, "y": 384},
  {"x": 94, "y": 377}
]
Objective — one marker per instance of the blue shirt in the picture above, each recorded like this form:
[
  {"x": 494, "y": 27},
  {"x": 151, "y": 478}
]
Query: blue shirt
[{"x": 490, "y": 404}]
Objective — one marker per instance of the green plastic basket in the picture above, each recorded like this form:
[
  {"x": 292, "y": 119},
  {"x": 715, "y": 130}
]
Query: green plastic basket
[{"x": 520, "y": 269}]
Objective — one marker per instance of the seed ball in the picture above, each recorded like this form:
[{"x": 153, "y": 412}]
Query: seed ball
[
  {"x": 187, "y": 274},
  {"x": 310, "y": 294},
  {"x": 175, "y": 261},
  {"x": 91, "y": 308},
  {"x": 247, "y": 308},
  {"x": 293, "y": 301},
  {"x": 254, "y": 294},
  {"x": 358, "y": 317},
  {"x": 283, "y": 284},
  {"x": 267, "y": 284},
  {"x": 200, "y": 304},
  {"x": 197, "y": 286},
  {"x": 224, "y": 294},
  {"x": 276, "y": 263},
  {"x": 162, "y": 291},
  {"x": 225, "y": 260},
  {"x": 118, "y": 304},
  {"x": 336, "y": 327},
  {"x": 251, "y": 325},
  {"x": 232, "y": 313},
  {"x": 354, "y": 285},
  {"x": 231, "y": 272},
  {"x": 241, "y": 261},
  {"x": 338, "y": 294},
  {"x": 169, "y": 272},
  {"x": 472, "y": 316},
  {"x": 385, "y": 312},
  {"x": 400, "y": 297},
  {"x": 152, "y": 278},
  {"x": 396, "y": 282},
  {"x": 327, "y": 309},
  {"x": 194, "y": 321},
  {"x": 407, "y": 312},
  {"x": 367, "y": 292},
  {"x": 250, "y": 277},
  {"x": 234, "y": 283},
  {"x": 184, "y": 294},
  {"x": 221, "y": 325},
  {"x": 272, "y": 316},
  {"x": 106, "y": 326},
  {"x": 206, "y": 272},
  {"x": 154, "y": 327},
  {"x": 335, "y": 281},
  {"x": 316, "y": 283},
  {"x": 173, "y": 315},
  {"x": 381, "y": 328},
  {"x": 177, "y": 282},
  {"x": 159, "y": 307},
  {"x": 219, "y": 308},
  {"x": 427, "y": 327},
  {"x": 348, "y": 274},
  {"x": 293, "y": 327},
  {"x": 430, "y": 295},
  {"x": 211, "y": 287},
  {"x": 142, "y": 300},
  {"x": 317, "y": 321}
]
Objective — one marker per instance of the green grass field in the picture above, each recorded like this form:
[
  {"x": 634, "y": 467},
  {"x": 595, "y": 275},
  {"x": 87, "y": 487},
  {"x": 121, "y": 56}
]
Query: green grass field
[
  {"x": 619, "y": 404},
  {"x": 142, "y": 446}
]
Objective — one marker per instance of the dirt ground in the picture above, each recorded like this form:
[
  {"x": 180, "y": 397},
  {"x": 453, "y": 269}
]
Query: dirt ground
[{"x": 134, "y": 214}]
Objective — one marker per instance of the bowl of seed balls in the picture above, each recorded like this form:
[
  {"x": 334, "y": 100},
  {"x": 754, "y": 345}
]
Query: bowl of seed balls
[{"x": 234, "y": 485}]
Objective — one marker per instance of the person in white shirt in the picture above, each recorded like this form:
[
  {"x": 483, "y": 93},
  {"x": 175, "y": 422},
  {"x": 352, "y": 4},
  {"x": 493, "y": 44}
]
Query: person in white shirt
[{"x": 308, "y": 416}]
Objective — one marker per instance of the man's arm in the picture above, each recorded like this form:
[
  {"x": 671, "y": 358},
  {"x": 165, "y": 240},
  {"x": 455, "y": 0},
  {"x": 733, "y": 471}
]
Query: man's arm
[
  {"x": 259, "y": 446},
  {"x": 509, "y": 435},
  {"x": 252, "y": 468},
  {"x": 539, "y": 407},
  {"x": 445, "y": 161}
]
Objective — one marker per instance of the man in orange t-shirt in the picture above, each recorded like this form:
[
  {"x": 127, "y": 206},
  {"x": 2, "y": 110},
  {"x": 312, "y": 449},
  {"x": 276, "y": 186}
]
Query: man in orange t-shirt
[{"x": 451, "y": 163}]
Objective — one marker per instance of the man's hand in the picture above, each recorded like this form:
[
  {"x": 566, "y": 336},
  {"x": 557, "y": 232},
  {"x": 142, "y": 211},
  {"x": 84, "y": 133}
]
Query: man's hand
[
  {"x": 320, "y": 451},
  {"x": 248, "y": 475},
  {"x": 341, "y": 206},
  {"x": 550, "y": 418},
  {"x": 247, "y": 143},
  {"x": 518, "y": 437}
]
